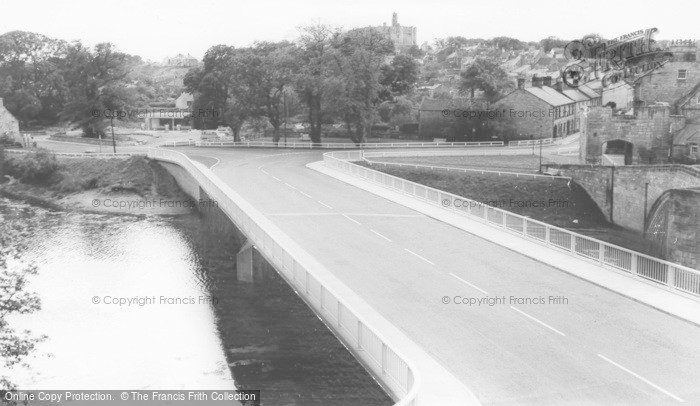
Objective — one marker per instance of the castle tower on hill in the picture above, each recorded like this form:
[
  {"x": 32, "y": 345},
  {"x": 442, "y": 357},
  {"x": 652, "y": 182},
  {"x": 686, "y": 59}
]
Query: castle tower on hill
[{"x": 403, "y": 37}]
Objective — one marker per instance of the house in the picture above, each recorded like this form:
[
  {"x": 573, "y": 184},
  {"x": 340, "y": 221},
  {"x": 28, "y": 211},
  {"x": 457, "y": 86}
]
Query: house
[
  {"x": 686, "y": 143},
  {"x": 432, "y": 120},
  {"x": 184, "y": 101},
  {"x": 540, "y": 111},
  {"x": 9, "y": 126},
  {"x": 620, "y": 93}
]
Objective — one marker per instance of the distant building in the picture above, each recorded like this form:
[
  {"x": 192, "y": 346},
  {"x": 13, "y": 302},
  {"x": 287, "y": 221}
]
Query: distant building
[
  {"x": 8, "y": 123},
  {"x": 403, "y": 37},
  {"x": 184, "y": 101},
  {"x": 181, "y": 60}
]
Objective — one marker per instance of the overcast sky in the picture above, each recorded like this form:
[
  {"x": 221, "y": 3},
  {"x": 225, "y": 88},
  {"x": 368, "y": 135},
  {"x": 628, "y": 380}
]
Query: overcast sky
[{"x": 156, "y": 29}]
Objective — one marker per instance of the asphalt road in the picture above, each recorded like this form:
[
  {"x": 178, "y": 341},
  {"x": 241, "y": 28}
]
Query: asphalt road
[{"x": 582, "y": 345}]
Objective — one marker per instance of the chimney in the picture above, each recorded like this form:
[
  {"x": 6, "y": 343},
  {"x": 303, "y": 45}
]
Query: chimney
[
  {"x": 521, "y": 83},
  {"x": 559, "y": 86},
  {"x": 547, "y": 81},
  {"x": 536, "y": 81}
]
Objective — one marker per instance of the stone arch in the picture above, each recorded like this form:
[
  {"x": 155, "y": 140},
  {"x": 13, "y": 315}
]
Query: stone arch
[
  {"x": 656, "y": 223},
  {"x": 619, "y": 148}
]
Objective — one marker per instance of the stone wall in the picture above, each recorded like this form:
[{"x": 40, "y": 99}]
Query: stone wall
[
  {"x": 649, "y": 132},
  {"x": 663, "y": 85},
  {"x": 683, "y": 233}
]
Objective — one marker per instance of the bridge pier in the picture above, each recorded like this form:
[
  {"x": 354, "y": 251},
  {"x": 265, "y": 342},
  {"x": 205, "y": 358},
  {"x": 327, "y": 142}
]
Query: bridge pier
[{"x": 246, "y": 269}]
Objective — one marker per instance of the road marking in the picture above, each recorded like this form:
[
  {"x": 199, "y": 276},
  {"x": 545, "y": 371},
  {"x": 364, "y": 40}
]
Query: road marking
[
  {"x": 218, "y": 161},
  {"x": 305, "y": 194},
  {"x": 276, "y": 178},
  {"x": 648, "y": 382},
  {"x": 351, "y": 219},
  {"x": 380, "y": 235},
  {"x": 336, "y": 214},
  {"x": 290, "y": 186},
  {"x": 472, "y": 285},
  {"x": 324, "y": 204},
  {"x": 411, "y": 252},
  {"x": 540, "y": 322},
  {"x": 264, "y": 171}
]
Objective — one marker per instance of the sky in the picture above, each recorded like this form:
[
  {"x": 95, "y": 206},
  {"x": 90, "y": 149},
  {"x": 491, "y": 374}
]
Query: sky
[{"x": 158, "y": 29}]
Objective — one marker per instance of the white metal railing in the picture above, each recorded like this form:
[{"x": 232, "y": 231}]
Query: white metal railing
[
  {"x": 331, "y": 145},
  {"x": 309, "y": 277},
  {"x": 675, "y": 277},
  {"x": 456, "y": 169},
  {"x": 78, "y": 155}
]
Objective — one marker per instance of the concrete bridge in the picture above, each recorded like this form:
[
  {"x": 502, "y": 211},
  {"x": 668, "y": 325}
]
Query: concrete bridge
[{"x": 445, "y": 316}]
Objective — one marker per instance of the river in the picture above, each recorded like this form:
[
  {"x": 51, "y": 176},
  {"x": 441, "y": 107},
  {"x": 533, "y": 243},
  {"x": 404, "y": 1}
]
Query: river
[{"x": 153, "y": 303}]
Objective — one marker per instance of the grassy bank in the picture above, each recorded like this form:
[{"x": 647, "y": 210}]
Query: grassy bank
[
  {"x": 88, "y": 183},
  {"x": 550, "y": 200}
]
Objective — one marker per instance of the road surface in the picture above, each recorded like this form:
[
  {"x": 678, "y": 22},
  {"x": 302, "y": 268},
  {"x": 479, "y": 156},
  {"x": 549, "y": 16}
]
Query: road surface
[{"x": 548, "y": 338}]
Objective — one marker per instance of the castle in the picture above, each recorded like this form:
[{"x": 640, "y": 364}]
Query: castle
[{"x": 403, "y": 37}]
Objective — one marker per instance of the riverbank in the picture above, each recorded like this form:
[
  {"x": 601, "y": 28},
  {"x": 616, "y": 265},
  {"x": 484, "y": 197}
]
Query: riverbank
[{"x": 130, "y": 186}]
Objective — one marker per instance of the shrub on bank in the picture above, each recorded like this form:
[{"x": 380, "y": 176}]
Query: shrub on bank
[{"x": 39, "y": 167}]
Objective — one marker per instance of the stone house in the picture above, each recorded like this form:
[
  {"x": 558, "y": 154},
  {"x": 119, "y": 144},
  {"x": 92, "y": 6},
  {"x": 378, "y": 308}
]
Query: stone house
[
  {"x": 8, "y": 123},
  {"x": 540, "y": 111}
]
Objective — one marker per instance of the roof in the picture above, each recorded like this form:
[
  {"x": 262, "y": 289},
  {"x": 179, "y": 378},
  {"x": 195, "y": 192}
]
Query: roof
[
  {"x": 549, "y": 95},
  {"x": 585, "y": 89},
  {"x": 442, "y": 104},
  {"x": 576, "y": 95},
  {"x": 689, "y": 134}
]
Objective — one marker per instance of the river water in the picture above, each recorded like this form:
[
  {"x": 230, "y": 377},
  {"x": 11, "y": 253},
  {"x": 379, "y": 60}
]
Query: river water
[{"x": 153, "y": 303}]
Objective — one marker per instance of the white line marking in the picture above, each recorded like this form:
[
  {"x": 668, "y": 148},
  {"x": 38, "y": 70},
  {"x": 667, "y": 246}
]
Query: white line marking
[
  {"x": 324, "y": 204},
  {"x": 290, "y": 186},
  {"x": 472, "y": 285},
  {"x": 540, "y": 322},
  {"x": 276, "y": 178},
  {"x": 351, "y": 219},
  {"x": 305, "y": 194},
  {"x": 648, "y": 382},
  {"x": 409, "y": 251},
  {"x": 264, "y": 171},
  {"x": 218, "y": 161},
  {"x": 380, "y": 235}
]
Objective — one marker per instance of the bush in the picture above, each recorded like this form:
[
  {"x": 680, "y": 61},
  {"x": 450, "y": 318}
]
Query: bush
[{"x": 40, "y": 167}]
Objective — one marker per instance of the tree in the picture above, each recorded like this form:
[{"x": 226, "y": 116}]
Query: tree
[
  {"x": 210, "y": 87},
  {"x": 487, "y": 76},
  {"x": 400, "y": 75},
  {"x": 30, "y": 76},
  {"x": 362, "y": 53},
  {"x": 14, "y": 298},
  {"x": 95, "y": 84},
  {"x": 506, "y": 43},
  {"x": 552, "y": 42},
  {"x": 316, "y": 78}
]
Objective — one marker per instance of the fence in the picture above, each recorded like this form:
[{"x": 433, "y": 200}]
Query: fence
[
  {"x": 331, "y": 145},
  {"x": 78, "y": 155},
  {"x": 320, "y": 289},
  {"x": 465, "y": 170},
  {"x": 674, "y": 277}
]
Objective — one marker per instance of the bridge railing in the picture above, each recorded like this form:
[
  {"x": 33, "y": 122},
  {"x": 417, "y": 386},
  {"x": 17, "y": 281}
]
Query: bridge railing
[
  {"x": 675, "y": 277},
  {"x": 456, "y": 169},
  {"x": 352, "y": 320}
]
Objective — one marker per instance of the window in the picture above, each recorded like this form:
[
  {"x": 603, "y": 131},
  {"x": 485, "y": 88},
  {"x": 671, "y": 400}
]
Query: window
[
  {"x": 693, "y": 148},
  {"x": 682, "y": 74}
]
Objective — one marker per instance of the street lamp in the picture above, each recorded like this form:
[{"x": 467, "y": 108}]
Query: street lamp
[
  {"x": 114, "y": 142},
  {"x": 284, "y": 100}
]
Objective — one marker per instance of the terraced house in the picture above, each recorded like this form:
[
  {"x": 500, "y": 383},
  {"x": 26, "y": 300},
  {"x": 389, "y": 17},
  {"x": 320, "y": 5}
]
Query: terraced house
[{"x": 541, "y": 111}]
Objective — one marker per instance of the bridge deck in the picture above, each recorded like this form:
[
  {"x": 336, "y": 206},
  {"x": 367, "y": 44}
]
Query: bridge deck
[{"x": 598, "y": 348}]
